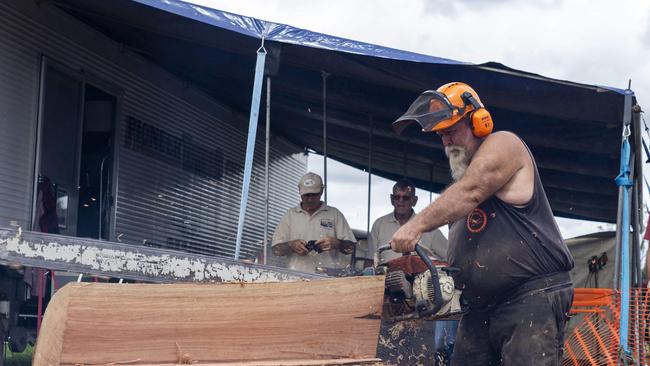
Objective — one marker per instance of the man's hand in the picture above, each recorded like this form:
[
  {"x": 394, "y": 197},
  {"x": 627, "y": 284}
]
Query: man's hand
[
  {"x": 328, "y": 243},
  {"x": 405, "y": 238},
  {"x": 298, "y": 247}
]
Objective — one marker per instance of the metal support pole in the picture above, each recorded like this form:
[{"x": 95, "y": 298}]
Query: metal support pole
[
  {"x": 631, "y": 205},
  {"x": 636, "y": 244},
  {"x": 636, "y": 270},
  {"x": 625, "y": 183},
  {"x": 101, "y": 195},
  {"x": 639, "y": 223},
  {"x": 625, "y": 272},
  {"x": 324, "y": 75},
  {"x": 430, "y": 183},
  {"x": 638, "y": 152},
  {"x": 370, "y": 128},
  {"x": 266, "y": 168},
  {"x": 637, "y": 228},
  {"x": 405, "y": 159},
  {"x": 250, "y": 144},
  {"x": 617, "y": 247}
]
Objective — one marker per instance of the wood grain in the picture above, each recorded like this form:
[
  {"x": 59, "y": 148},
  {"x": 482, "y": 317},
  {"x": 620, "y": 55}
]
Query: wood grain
[{"x": 98, "y": 323}]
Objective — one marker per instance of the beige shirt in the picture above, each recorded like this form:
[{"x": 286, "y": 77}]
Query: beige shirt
[
  {"x": 384, "y": 228},
  {"x": 326, "y": 221}
]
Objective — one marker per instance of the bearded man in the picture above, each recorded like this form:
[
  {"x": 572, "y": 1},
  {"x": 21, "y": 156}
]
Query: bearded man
[{"x": 502, "y": 236}]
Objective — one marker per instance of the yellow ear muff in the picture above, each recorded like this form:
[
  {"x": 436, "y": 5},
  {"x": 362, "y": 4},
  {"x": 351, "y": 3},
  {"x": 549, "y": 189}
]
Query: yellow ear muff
[{"x": 482, "y": 124}]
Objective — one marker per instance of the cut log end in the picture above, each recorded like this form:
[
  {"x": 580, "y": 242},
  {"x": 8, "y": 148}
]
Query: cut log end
[{"x": 325, "y": 322}]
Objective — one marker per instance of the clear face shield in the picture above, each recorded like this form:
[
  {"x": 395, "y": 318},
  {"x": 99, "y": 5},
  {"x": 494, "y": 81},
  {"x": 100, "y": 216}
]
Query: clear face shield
[{"x": 428, "y": 110}]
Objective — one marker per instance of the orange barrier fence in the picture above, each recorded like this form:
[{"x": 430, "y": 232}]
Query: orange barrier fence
[{"x": 593, "y": 334}]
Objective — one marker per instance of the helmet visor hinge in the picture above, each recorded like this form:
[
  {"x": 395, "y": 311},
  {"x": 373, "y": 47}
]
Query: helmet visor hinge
[{"x": 469, "y": 99}]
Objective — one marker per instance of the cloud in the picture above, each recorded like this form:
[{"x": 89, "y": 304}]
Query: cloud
[
  {"x": 460, "y": 7},
  {"x": 645, "y": 37}
]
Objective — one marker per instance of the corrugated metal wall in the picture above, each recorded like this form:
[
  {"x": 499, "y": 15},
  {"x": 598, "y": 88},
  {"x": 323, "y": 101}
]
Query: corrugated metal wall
[
  {"x": 180, "y": 166},
  {"x": 19, "y": 80}
]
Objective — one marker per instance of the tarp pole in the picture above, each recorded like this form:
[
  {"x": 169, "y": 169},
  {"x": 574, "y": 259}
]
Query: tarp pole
[
  {"x": 405, "y": 159},
  {"x": 638, "y": 230},
  {"x": 430, "y": 183},
  {"x": 636, "y": 249},
  {"x": 370, "y": 127},
  {"x": 250, "y": 143},
  {"x": 623, "y": 180},
  {"x": 636, "y": 262},
  {"x": 101, "y": 195},
  {"x": 353, "y": 259},
  {"x": 266, "y": 168},
  {"x": 617, "y": 247},
  {"x": 638, "y": 188},
  {"x": 631, "y": 205},
  {"x": 324, "y": 76}
]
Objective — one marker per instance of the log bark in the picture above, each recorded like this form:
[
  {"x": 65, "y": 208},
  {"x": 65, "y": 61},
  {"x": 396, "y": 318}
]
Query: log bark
[{"x": 99, "y": 323}]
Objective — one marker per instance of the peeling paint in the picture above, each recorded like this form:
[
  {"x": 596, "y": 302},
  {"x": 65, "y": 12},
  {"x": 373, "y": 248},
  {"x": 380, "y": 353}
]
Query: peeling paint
[{"x": 99, "y": 258}]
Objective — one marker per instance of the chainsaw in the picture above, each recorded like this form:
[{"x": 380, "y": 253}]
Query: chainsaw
[{"x": 416, "y": 288}]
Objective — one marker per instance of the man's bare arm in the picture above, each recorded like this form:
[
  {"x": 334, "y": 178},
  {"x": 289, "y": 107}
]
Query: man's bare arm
[{"x": 497, "y": 160}]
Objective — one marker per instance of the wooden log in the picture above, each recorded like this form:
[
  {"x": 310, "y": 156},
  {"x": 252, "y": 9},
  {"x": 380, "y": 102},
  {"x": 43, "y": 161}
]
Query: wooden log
[{"x": 100, "y": 323}]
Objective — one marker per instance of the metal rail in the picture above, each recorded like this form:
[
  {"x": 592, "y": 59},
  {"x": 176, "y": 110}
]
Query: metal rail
[{"x": 105, "y": 258}]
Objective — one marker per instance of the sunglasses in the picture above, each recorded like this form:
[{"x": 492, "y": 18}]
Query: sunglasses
[{"x": 399, "y": 197}]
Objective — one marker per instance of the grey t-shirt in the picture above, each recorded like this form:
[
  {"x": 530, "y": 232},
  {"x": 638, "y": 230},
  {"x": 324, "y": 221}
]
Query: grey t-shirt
[{"x": 384, "y": 228}]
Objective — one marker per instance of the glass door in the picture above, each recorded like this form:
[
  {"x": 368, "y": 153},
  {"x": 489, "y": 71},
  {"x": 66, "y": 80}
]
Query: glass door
[
  {"x": 57, "y": 193},
  {"x": 74, "y": 193}
]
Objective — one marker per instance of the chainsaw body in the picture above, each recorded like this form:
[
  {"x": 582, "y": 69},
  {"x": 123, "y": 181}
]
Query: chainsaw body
[{"x": 417, "y": 288}]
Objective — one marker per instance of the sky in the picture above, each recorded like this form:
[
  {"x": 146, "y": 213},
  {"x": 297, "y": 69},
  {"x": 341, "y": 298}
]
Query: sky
[{"x": 599, "y": 42}]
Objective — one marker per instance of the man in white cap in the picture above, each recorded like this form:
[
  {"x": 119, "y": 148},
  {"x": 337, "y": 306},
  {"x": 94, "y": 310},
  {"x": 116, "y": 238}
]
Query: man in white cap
[{"x": 312, "y": 233}]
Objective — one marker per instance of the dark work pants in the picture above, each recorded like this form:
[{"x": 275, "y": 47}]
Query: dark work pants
[{"x": 526, "y": 329}]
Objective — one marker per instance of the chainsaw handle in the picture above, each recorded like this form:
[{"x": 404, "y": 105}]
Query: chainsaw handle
[
  {"x": 437, "y": 295},
  {"x": 376, "y": 258},
  {"x": 383, "y": 248},
  {"x": 425, "y": 258}
]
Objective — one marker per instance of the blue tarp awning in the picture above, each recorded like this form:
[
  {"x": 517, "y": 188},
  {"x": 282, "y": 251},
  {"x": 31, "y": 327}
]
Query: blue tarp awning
[
  {"x": 283, "y": 33},
  {"x": 573, "y": 129}
]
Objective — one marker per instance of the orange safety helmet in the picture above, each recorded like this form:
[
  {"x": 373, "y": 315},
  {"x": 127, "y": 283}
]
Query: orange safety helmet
[{"x": 443, "y": 108}]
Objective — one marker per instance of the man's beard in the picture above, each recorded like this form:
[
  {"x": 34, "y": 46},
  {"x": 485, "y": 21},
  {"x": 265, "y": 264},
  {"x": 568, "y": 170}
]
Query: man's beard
[{"x": 458, "y": 161}]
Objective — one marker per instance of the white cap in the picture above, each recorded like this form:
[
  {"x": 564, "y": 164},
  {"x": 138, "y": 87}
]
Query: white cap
[{"x": 310, "y": 183}]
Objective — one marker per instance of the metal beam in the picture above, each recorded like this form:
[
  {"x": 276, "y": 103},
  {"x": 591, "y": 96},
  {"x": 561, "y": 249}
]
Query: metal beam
[
  {"x": 250, "y": 144},
  {"x": 324, "y": 75},
  {"x": 105, "y": 258},
  {"x": 267, "y": 155}
]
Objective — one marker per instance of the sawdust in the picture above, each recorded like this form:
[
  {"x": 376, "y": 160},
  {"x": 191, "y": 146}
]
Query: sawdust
[
  {"x": 395, "y": 332},
  {"x": 396, "y": 338}
]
